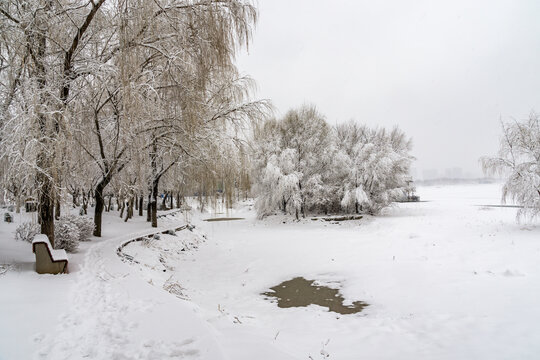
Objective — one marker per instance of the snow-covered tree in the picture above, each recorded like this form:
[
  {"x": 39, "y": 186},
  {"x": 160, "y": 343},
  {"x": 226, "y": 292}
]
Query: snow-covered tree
[
  {"x": 379, "y": 166},
  {"x": 348, "y": 168},
  {"x": 94, "y": 93},
  {"x": 519, "y": 160},
  {"x": 296, "y": 153}
]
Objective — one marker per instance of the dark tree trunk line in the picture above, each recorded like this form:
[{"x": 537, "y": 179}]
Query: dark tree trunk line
[
  {"x": 100, "y": 202},
  {"x": 149, "y": 208}
]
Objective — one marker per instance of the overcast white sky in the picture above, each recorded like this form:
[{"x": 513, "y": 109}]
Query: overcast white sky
[{"x": 444, "y": 71}]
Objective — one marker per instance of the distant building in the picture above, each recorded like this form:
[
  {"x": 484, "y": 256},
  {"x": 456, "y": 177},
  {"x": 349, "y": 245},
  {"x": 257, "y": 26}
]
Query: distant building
[
  {"x": 430, "y": 174},
  {"x": 454, "y": 173}
]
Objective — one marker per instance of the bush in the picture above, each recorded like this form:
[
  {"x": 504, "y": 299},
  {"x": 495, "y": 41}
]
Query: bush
[
  {"x": 68, "y": 231},
  {"x": 66, "y": 234},
  {"x": 26, "y": 231},
  {"x": 84, "y": 224}
]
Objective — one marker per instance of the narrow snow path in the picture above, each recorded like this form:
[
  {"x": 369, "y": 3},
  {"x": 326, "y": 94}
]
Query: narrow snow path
[{"x": 114, "y": 314}]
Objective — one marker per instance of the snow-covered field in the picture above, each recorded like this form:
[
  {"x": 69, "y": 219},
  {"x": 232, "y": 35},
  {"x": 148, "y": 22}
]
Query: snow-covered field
[{"x": 445, "y": 279}]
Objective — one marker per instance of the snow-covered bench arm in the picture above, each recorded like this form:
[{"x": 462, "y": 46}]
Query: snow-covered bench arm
[{"x": 48, "y": 260}]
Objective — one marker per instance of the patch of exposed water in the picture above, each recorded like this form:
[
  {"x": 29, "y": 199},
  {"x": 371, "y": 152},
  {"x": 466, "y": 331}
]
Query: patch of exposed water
[{"x": 300, "y": 292}]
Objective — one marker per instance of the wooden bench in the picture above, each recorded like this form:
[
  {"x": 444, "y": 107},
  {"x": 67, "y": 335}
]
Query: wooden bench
[{"x": 48, "y": 260}]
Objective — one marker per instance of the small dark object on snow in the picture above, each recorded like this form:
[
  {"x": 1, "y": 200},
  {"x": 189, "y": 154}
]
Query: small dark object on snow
[{"x": 8, "y": 218}]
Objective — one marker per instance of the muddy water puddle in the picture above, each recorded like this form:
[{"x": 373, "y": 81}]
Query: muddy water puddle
[{"x": 300, "y": 292}]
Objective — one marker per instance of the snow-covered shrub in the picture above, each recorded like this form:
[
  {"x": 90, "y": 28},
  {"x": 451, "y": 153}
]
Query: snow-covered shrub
[
  {"x": 27, "y": 231},
  {"x": 66, "y": 234},
  {"x": 68, "y": 231},
  {"x": 8, "y": 217},
  {"x": 519, "y": 160},
  {"x": 84, "y": 224}
]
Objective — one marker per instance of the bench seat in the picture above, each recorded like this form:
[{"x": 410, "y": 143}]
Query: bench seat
[{"x": 48, "y": 260}]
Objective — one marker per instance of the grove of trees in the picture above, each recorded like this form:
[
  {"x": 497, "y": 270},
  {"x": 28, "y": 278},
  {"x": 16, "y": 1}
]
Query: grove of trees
[
  {"x": 122, "y": 99},
  {"x": 302, "y": 165}
]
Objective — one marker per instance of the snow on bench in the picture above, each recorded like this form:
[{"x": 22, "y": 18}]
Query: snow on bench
[{"x": 48, "y": 260}]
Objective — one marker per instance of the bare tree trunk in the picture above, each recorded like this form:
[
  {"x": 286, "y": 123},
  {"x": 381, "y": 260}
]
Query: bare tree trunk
[
  {"x": 149, "y": 209},
  {"x": 100, "y": 201},
  {"x": 155, "y": 184},
  {"x": 75, "y": 198},
  {"x": 178, "y": 200},
  {"x": 99, "y": 209},
  {"x": 18, "y": 204},
  {"x": 141, "y": 203},
  {"x": 129, "y": 210},
  {"x": 122, "y": 209},
  {"x": 46, "y": 203},
  {"x": 57, "y": 208},
  {"x": 85, "y": 204},
  {"x": 164, "y": 201}
]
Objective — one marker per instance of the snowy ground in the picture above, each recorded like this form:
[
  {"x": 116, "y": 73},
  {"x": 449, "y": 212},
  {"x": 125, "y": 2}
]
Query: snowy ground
[{"x": 445, "y": 279}]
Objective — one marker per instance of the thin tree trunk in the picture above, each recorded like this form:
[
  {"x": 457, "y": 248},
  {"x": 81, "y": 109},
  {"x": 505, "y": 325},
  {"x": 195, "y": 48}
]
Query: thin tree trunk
[
  {"x": 99, "y": 209},
  {"x": 85, "y": 204},
  {"x": 46, "y": 203},
  {"x": 18, "y": 204},
  {"x": 164, "y": 201},
  {"x": 129, "y": 210},
  {"x": 100, "y": 201},
  {"x": 149, "y": 209},
  {"x": 122, "y": 209},
  {"x": 57, "y": 209},
  {"x": 155, "y": 184},
  {"x": 141, "y": 203}
]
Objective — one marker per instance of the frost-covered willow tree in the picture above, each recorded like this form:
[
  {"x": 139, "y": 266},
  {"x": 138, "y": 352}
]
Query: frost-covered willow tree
[
  {"x": 302, "y": 165},
  {"x": 191, "y": 82},
  {"x": 117, "y": 92},
  {"x": 518, "y": 160},
  {"x": 42, "y": 46},
  {"x": 379, "y": 166},
  {"x": 293, "y": 158}
]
